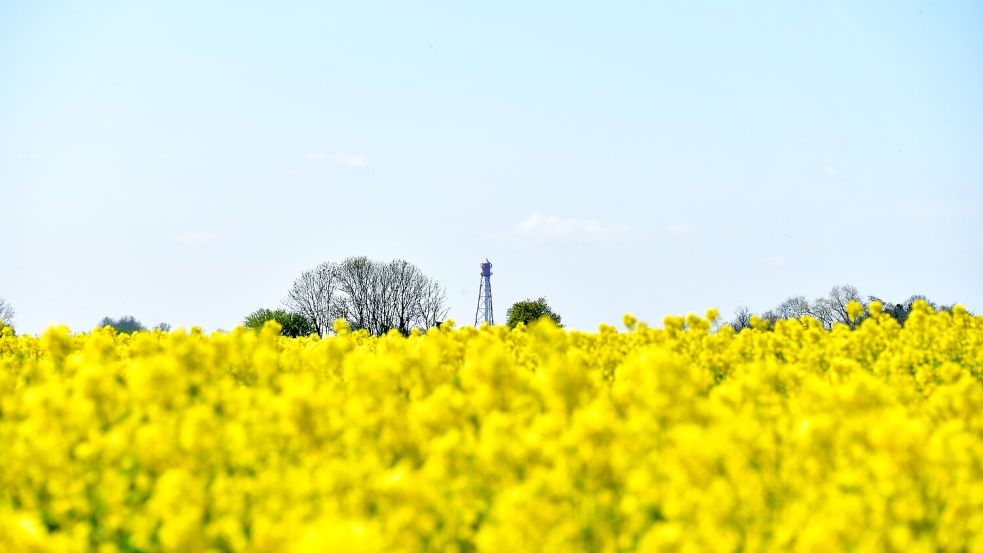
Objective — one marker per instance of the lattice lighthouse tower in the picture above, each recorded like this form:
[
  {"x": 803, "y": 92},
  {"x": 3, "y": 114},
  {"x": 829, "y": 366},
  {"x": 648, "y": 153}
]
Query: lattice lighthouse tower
[{"x": 484, "y": 313}]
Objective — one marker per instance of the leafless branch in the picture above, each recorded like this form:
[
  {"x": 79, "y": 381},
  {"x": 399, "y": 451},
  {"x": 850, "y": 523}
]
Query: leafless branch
[{"x": 312, "y": 295}]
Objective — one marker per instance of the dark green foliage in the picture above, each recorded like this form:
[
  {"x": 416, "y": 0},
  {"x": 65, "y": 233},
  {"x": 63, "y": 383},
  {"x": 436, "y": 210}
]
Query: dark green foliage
[
  {"x": 900, "y": 311},
  {"x": 293, "y": 324},
  {"x": 527, "y": 311},
  {"x": 126, "y": 323}
]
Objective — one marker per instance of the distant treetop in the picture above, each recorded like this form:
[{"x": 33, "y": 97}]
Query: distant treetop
[
  {"x": 291, "y": 324},
  {"x": 527, "y": 311},
  {"x": 126, "y": 323}
]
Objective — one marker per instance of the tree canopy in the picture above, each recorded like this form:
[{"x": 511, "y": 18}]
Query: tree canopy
[
  {"x": 292, "y": 324},
  {"x": 370, "y": 295},
  {"x": 527, "y": 311},
  {"x": 126, "y": 323}
]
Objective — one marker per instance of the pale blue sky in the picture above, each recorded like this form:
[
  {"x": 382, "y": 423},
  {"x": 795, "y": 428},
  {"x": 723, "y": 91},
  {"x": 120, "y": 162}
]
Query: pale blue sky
[{"x": 184, "y": 161}]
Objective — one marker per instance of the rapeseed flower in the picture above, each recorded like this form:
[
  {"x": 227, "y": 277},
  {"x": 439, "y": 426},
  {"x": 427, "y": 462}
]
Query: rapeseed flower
[{"x": 690, "y": 437}]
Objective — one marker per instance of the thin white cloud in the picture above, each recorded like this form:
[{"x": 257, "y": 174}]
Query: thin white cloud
[
  {"x": 539, "y": 225},
  {"x": 829, "y": 171},
  {"x": 342, "y": 158},
  {"x": 195, "y": 238}
]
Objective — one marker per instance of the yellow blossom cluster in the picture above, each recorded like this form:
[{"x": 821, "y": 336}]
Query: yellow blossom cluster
[{"x": 689, "y": 437}]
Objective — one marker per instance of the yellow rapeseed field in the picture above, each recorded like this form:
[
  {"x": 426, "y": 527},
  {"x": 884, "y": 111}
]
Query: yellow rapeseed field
[{"x": 683, "y": 438}]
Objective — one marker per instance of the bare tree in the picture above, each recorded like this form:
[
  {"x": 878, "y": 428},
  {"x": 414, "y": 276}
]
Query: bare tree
[
  {"x": 405, "y": 285},
  {"x": 6, "y": 313},
  {"x": 771, "y": 316},
  {"x": 377, "y": 297},
  {"x": 313, "y": 295},
  {"x": 792, "y": 308},
  {"x": 742, "y": 318},
  {"x": 831, "y": 309},
  {"x": 358, "y": 284},
  {"x": 380, "y": 297},
  {"x": 822, "y": 311},
  {"x": 433, "y": 304}
]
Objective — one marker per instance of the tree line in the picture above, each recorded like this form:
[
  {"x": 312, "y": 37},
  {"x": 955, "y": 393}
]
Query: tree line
[
  {"x": 370, "y": 295},
  {"x": 397, "y": 295},
  {"x": 831, "y": 308},
  {"x": 126, "y": 323}
]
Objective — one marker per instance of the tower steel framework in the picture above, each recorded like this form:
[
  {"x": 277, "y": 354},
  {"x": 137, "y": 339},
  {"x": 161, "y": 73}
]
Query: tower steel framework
[{"x": 485, "y": 313}]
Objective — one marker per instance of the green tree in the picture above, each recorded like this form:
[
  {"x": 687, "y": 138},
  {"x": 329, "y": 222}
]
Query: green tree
[
  {"x": 126, "y": 323},
  {"x": 527, "y": 311},
  {"x": 292, "y": 324}
]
